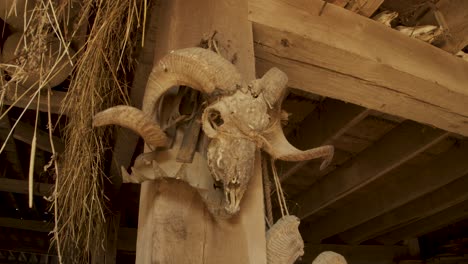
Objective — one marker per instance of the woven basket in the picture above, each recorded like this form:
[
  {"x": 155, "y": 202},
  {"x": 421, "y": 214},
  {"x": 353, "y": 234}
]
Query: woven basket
[{"x": 284, "y": 242}]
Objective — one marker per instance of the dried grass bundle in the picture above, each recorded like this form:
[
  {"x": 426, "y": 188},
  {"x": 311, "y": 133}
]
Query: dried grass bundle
[{"x": 99, "y": 81}]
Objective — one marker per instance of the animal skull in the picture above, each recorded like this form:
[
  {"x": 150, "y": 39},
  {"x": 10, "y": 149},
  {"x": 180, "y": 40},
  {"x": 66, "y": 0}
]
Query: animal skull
[{"x": 239, "y": 118}]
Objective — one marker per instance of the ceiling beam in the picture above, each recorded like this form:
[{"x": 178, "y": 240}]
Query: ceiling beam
[
  {"x": 384, "y": 155},
  {"x": 426, "y": 225},
  {"x": 21, "y": 186},
  {"x": 427, "y": 205},
  {"x": 395, "y": 189},
  {"x": 352, "y": 58},
  {"x": 25, "y": 133},
  {"x": 56, "y": 99},
  {"x": 126, "y": 236},
  {"x": 31, "y": 225},
  {"x": 322, "y": 128},
  {"x": 357, "y": 254}
]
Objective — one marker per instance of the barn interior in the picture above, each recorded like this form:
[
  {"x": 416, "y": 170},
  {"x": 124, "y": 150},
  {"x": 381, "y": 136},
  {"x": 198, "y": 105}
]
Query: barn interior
[{"x": 383, "y": 81}]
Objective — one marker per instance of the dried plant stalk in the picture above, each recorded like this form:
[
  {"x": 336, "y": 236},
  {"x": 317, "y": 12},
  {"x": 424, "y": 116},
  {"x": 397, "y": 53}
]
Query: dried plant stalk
[{"x": 100, "y": 81}]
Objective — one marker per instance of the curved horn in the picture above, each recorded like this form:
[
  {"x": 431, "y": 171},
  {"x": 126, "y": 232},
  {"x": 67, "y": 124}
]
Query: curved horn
[
  {"x": 198, "y": 68},
  {"x": 278, "y": 147},
  {"x": 273, "y": 83},
  {"x": 134, "y": 119},
  {"x": 329, "y": 257}
]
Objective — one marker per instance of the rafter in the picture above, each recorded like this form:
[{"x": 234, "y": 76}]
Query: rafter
[
  {"x": 428, "y": 224},
  {"x": 425, "y": 206},
  {"x": 25, "y": 132},
  {"x": 352, "y": 58},
  {"x": 395, "y": 189},
  {"x": 380, "y": 158},
  {"x": 21, "y": 186},
  {"x": 324, "y": 127},
  {"x": 57, "y": 98}
]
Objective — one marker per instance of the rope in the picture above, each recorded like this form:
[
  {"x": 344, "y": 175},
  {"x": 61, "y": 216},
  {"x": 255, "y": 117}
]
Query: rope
[
  {"x": 279, "y": 190},
  {"x": 267, "y": 192}
]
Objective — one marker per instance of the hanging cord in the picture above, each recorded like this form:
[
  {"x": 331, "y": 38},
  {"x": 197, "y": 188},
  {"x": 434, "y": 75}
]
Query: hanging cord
[
  {"x": 279, "y": 190},
  {"x": 267, "y": 192}
]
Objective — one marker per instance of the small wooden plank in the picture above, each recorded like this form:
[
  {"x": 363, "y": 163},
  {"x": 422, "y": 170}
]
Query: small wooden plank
[
  {"x": 322, "y": 128},
  {"x": 364, "y": 7},
  {"x": 426, "y": 225},
  {"x": 189, "y": 142},
  {"x": 352, "y": 58},
  {"x": 395, "y": 189},
  {"x": 21, "y": 186},
  {"x": 112, "y": 234},
  {"x": 364, "y": 254},
  {"x": 425, "y": 206},
  {"x": 127, "y": 239},
  {"x": 380, "y": 158}
]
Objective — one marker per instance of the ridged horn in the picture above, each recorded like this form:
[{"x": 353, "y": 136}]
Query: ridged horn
[
  {"x": 198, "y": 68},
  {"x": 329, "y": 257},
  {"x": 278, "y": 147},
  {"x": 273, "y": 84},
  {"x": 134, "y": 119}
]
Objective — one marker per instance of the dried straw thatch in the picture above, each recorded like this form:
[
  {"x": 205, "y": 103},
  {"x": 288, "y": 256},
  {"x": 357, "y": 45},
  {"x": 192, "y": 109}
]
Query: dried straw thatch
[{"x": 102, "y": 68}]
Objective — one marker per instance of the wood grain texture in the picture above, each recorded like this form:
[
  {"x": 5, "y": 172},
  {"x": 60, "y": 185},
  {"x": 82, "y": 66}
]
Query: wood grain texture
[
  {"x": 380, "y": 158},
  {"x": 349, "y": 57},
  {"x": 427, "y": 205},
  {"x": 453, "y": 16},
  {"x": 426, "y": 225},
  {"x": 21, "y": 186},
  {"x": 399, "y": 187},
  {"x": 174, "y": 225},
  {"x": 323, "y": 128},
  {"x": 364, "y": 7}
]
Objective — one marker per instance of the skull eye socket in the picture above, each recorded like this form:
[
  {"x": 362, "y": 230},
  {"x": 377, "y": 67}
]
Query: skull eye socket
[{"x": 215, "y": 119}]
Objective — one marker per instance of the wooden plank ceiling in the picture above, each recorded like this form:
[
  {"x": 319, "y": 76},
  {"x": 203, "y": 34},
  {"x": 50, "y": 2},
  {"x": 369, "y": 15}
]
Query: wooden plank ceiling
[{"x": 395, "y": 108}]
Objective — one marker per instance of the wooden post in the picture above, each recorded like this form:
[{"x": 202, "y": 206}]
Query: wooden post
[{"x": 174, "y": 225}]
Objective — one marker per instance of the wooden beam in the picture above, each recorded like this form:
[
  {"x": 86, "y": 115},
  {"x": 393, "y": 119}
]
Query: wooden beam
[
  {"x": 364, "y": 7},
  {"x": 380, "y": 158},
  {"x": 31, "y": 225},
  {"x": 352, "y": 58},
  {"x": 57, "y": 98},
  {"x": 172, "y": 218},
  {"x": 395, "y": 189},
  {"x": 126, "y": 238},
  {"x": 425, "y": 206},
  {"x": 426, "y": 225},
  {"x": 364, "y": 254},
  {"x": 25, "y": 132},
  {"x": 21, "y": 186},
  {"x": 323, "y": 128}
]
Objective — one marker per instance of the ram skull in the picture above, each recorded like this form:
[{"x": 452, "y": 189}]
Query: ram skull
[{"x": 239, "y": 118}]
